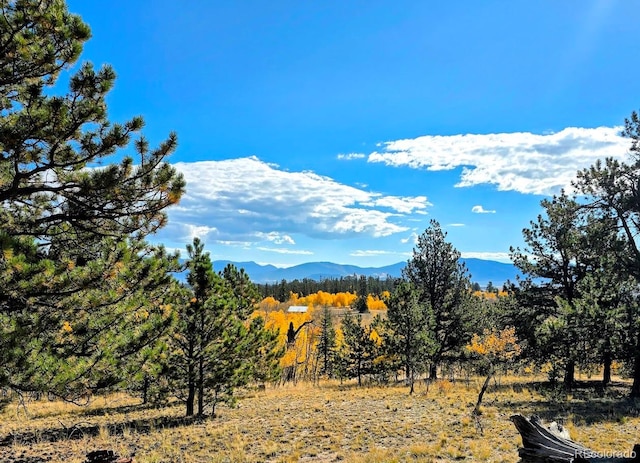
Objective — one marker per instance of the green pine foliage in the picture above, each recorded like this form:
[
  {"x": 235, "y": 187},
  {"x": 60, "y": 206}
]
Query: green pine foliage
[
  {"x": 410, "y": 332},
  {"x": 81, "y": 293},
  {"x": 443, "y": 284},
  {"x": 216, "y": 347},
  {"x": 358, "y": 350},
  {"x": 327, "y": 345}
]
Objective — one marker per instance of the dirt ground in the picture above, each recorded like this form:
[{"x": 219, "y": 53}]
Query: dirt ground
[{"x": 322, "y": 423}]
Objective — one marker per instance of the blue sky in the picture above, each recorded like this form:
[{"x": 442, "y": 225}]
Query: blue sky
[{"x": 335, "y": 130}]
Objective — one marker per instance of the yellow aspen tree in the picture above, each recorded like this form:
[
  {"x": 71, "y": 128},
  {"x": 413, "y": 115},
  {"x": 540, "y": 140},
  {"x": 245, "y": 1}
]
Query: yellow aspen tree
[{"x": 494, "y": 347}]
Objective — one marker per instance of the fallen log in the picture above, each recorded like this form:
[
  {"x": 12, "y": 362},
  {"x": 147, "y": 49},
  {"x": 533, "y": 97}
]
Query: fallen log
[{"x": 541, "y": 444}]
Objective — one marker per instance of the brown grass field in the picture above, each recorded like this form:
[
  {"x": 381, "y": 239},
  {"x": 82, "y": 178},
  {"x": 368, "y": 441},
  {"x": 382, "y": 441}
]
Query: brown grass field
[{"x": 328, "y": 422}]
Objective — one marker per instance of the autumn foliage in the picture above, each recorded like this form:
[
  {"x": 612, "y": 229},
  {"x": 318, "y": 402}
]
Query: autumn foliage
[
  {"x": 490, "y": 295},
  {"x": 325, "y": 299},
  {"x": 305, "y": 343},
  {"x": 496, "y": 346}
]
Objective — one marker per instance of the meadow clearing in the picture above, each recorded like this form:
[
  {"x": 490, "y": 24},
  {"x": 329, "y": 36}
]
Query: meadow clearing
[{"x": 326, "y": 422}]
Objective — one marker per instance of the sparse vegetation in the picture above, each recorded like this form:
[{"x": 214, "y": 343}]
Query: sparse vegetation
[{"x": 328, "y": 422}]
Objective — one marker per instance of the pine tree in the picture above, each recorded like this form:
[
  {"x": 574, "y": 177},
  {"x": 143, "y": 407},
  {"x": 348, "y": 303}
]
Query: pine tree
[
  {"x": 358, "y": 350},
  {"x": 612, "y": 189},
  {"x": 327, "y": 343},
  {"x": 81, "y": 291},
  {"x": 560, "y": 260},
  {"x": 215, "y": 347},
  {"x": 360, "y": 305},
  {"x": 410, "y": 330},
  {"x": 443, "y": 284}
]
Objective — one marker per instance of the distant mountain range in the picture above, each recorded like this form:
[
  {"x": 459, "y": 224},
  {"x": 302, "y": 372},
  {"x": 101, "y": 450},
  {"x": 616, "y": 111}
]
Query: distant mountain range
[{"x": 482, "y": 271}]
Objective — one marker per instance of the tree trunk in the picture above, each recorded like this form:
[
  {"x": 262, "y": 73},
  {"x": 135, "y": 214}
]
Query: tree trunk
[
  {"x": 191, "y": 394},
  {"x": 635, "y": 388},
  {"x": 145, "y": 389},
  {"x": 606, "y": 375},
  {"x": 476, "y": 410},
  {"x": 412, "y": 380},
  {"x": 433, "y": 371},
  {"x": 201, "y": 387},
  {"x": 569, "y": 374}
]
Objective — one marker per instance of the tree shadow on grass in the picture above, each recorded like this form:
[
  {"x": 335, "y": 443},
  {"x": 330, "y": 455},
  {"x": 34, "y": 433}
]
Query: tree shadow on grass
[
  {"x": 586, "y": 403},
  {"x": 143, "y": 426},
  {"x": 117, "y": 409}
]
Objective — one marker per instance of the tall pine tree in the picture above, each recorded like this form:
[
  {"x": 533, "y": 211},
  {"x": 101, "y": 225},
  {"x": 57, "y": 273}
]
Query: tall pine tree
[
  {"x": 216, "y": 347},
  {"x": 80, "y": 289},
  {"x": 442, "y": 282}
]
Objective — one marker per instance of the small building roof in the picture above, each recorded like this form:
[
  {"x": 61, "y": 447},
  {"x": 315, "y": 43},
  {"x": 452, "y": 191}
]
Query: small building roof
[{"x": 297, "y": 309}]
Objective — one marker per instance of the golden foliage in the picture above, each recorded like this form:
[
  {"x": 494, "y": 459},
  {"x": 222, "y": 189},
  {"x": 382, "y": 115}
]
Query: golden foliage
[
  {"x": 324, "y": 299},
  {"x": 376, "y": 303},
  {"x": 306, "y": 340},
  {"x": 269, "y": 303},
  {"x": 142, "y": 314},
  {"x": 66, "y": 327},
  {"x": 494, "y": 345},
  {"x": 490, "y": 295},
  {"x": 375, "y": 337}
]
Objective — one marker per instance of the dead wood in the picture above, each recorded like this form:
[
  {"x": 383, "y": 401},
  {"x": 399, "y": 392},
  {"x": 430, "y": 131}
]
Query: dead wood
[{"x": 541, "y": 445}]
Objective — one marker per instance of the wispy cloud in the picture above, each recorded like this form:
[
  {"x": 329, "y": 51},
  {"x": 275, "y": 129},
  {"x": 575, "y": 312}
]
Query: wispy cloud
[
  {"x": 285, "y": 251},
  {"x": 371, "y": 253},
  {"x": 497, "y": 256},
  {"x": 456, "y": 225},
  {"x": 249, "y": 200},
  {"x": 402, "y": 204},
  {"x": 351, "y": 156},
  {"x": 481, "y": 210},
  {"x": 522, "y": 161},
  {"x": 412, "y": 238},
  {"x": 275, "y": 237}
]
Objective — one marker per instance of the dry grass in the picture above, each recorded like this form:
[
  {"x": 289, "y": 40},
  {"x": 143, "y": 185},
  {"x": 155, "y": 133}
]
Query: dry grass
[{"x": 330, "y": 423}]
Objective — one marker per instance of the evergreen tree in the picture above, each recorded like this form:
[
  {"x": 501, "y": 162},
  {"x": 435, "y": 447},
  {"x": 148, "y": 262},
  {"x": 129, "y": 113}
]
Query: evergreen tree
[
  {"x": 327, "y": 343},
  {"x": 358, "y": 350},
  {"x": 215, "y": 347},
  {"x": 443, "y": 285},
  {"x": 557, "y": 258},
  {"x": 612, "y": 188},
  {"x": 81, "y": 292},
  {"x": 410, "y": 330},
  {"x": 360, "y": 304}
]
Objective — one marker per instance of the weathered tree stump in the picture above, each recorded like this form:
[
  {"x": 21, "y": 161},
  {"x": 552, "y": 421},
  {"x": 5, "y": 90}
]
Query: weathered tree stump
[{"x": 543, "y": 445}]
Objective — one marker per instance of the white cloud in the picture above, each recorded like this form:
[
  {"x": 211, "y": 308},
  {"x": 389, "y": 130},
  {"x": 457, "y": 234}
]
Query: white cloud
[
  {"x": 497, "y": 256},
  {"x": 522, "y": 161},
  {"x": 351, "y": 156},
  {"x": 237, "y": 244},
  {"x": 370, "y": 253},
  {"x": 413, "y": 238},
  {"x": 456, "y": 225},
  {"x": 248, "y": 200},
  {"x": 402, "y": 204},
  {"x": 285, "y": 251},
  {"x": 275, "y": 237},
  {"x": 198, "y": 231},
  {"x": 481, "y": 210}
]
